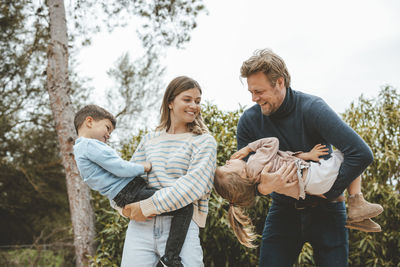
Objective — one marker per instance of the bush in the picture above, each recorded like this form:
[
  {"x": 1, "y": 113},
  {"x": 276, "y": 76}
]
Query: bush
[
  {"x": 378, "y": 123},
  {"x": 37, "y": 257}
]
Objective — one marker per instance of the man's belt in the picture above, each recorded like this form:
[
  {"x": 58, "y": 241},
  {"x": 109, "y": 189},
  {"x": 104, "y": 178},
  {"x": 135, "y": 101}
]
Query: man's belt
[{"x": 303, "y": 204}]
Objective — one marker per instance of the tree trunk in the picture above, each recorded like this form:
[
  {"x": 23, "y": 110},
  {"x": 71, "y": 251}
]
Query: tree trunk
[{"x": 82, "y": 215}]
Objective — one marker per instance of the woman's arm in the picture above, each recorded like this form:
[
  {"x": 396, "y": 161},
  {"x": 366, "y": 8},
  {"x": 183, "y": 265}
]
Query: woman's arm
[{"x": 190, "y": 187}]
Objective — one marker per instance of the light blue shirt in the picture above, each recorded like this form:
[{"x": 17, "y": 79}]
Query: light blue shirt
[{"x": 102, "y": 169}]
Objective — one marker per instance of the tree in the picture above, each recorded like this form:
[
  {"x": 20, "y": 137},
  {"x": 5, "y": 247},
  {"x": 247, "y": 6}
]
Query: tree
[
  {"x": 24, "y": 39},
  {"x": 138, "y": 86},
  {"x": 58, "y": 88},
  {"x": 82, "y": 215}
]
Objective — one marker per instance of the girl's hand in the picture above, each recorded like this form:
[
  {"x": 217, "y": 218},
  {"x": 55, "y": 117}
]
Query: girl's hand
[
  {"x": 241, "y": 153},
  {"x": 317, "y": 151}
]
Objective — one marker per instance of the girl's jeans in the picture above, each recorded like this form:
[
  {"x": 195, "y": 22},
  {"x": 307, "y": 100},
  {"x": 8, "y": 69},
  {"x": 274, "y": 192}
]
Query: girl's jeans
[
  {"x": 289, "y": 226},
  {"x": 145, "y": 243}
]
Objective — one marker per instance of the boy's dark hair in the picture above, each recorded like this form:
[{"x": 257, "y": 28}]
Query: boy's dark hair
[{"x": 94, "y": 111}]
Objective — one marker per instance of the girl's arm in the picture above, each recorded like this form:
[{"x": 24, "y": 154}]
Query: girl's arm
[
  {"x": 317, "y": 151},
  {"x": 268, "y": 145}
]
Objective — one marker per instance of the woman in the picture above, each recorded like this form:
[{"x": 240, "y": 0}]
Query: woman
[{"x": 183, "y": 157}]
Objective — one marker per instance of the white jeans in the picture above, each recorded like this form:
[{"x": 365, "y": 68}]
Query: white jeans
[{"x": 145, "y": 243}]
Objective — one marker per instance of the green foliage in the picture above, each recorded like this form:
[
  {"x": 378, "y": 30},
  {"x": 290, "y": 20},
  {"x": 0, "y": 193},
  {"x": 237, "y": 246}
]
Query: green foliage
[
  {"x": 110, "y": 225},
  {"x": 378, "y": 123},
  {"x": 220, "y": 245},
  {"x": 35, "y": 257},
  {"x": 110, "y": 228},
  {"x": 138, "y": 88},
  {"x": 33, "y": 191}
]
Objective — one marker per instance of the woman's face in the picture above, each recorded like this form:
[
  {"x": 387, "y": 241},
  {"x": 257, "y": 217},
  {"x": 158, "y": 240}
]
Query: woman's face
[{"x": 185, "y": 107}]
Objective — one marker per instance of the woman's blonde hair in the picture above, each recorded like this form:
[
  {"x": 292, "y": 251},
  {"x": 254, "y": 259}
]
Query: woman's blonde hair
[
  {"x": 241, "y": 194},
  {"x": 174, "y": 88}
]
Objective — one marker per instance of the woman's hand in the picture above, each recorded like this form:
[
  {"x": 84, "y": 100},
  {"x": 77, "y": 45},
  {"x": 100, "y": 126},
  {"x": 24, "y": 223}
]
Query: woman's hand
[{"x": 134, "y": 212}]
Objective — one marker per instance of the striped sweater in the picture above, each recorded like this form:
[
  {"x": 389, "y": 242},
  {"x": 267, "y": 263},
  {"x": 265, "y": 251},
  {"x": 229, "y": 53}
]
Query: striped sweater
[{"x": 183, "y": 167}]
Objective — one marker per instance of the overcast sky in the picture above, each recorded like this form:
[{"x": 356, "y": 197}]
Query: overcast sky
[{"x": 337, "y": 50}]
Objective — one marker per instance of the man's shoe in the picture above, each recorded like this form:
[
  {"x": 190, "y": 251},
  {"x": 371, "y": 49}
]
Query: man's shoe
[
  {"x": 360, "y": 209},
  {"x": 366, "y": 225}
]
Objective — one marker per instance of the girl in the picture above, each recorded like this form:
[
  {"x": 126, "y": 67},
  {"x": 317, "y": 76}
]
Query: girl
[{"x": 236, "y": 182}]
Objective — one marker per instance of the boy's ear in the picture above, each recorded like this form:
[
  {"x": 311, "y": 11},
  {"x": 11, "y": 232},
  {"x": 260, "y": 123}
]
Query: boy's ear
[{"x": 89, "y": 121}]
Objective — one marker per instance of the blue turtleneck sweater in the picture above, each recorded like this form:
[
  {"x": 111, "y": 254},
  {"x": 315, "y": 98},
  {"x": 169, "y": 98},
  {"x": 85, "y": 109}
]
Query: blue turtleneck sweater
[{"x": 301, "y": 122}]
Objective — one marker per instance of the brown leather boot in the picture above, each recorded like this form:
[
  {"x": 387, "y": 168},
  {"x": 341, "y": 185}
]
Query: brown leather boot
[
  {"x": 359, "y": 209},
  {"x": 366, "y": 225}
]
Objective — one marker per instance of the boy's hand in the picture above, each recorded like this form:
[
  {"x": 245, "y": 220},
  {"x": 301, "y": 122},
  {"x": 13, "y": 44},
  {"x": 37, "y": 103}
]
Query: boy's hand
[
  {"x": 317, "y": 151},
  {"x": 241, "y": 153},
  {"x": 147, "y": 166}
]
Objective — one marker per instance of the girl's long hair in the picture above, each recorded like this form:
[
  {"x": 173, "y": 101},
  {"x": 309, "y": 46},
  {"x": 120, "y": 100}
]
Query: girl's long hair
[
  {"x": 241, "y": 194},
  {"x": 174, "y": 88}
]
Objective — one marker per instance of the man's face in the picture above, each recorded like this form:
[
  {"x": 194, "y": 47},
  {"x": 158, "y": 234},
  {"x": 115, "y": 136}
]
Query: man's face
[{"x": 263, "y": 93}]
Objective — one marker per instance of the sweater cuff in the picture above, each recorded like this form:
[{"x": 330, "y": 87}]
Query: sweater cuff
[{"x": 148, "y": 207}]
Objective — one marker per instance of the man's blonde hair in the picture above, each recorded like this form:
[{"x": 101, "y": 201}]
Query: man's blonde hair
[{"x": 267, "y": 62}]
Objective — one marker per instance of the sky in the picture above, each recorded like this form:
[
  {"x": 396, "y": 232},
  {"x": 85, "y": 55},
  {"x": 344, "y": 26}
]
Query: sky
[{"x": 337, "y": 50}]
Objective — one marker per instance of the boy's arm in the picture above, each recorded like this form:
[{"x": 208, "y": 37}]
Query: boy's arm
[
  {"x": 108, "y": 159},
  {"x": 315, "y": 153}
]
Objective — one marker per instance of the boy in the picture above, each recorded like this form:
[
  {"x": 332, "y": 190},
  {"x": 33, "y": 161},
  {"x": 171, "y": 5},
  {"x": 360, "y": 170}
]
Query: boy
[
  {"x": 314, "y": 178},
  {"x": 104, "y": 171}
]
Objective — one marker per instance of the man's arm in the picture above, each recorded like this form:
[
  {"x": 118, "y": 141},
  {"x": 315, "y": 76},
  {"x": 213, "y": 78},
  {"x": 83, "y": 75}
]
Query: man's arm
[
  {"x": 269, "y": 182},
  {"x": 357, "y": 154}
]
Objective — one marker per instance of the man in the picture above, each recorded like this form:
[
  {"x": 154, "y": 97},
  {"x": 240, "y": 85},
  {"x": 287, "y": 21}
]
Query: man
[{"x": 299, "y": 121}]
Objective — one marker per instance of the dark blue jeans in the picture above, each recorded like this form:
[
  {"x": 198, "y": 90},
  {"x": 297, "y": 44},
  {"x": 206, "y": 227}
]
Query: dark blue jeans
[{"x": 288, "y": 228}]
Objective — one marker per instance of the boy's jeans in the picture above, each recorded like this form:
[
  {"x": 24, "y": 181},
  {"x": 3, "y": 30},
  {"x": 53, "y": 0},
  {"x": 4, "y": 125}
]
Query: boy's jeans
[
  {"x": 145, "y": 243},
  {"x": 287, "y": 228}
]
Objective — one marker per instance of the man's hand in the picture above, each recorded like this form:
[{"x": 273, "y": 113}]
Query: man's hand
[
  {"x": 277, "y": 181},
  {"x": 241, "y": 153},
  {"x": 134, "y": 212}
]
